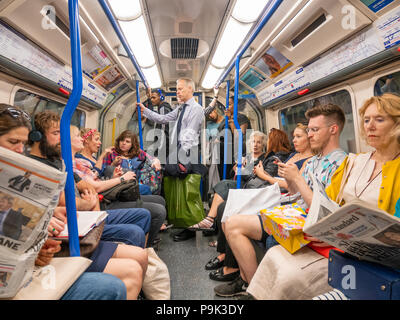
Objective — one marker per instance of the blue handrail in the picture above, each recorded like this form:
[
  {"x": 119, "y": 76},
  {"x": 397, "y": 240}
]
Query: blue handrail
[
  {"x": 272, "y": 7},
  {"x": 228, "y": 87},
  {"x": 237, "y": 125},
  {"x": 72, "y": 103},
  {"x": 122, "y": 38},
  {"x": 139, "y": 112}
]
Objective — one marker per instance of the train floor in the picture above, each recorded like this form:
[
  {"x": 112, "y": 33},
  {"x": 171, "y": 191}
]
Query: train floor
[{"x": 186, "y": 261}]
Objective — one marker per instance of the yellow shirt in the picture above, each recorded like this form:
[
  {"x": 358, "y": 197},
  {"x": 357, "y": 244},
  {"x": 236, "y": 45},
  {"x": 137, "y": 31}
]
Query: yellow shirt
[{"x": 389, "y": 192}]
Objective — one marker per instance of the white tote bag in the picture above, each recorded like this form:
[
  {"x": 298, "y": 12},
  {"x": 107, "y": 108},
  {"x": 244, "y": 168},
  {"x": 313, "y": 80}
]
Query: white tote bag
[
  {"x": 251, "y": 201},
  {"x": 156, "y": 283}
]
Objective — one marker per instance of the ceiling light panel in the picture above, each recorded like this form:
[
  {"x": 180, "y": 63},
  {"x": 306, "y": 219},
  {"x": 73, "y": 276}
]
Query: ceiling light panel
[
  {"x": 138, "y": 39},
  {"x": 153, "y": 76},
  {"x": 247, "y": 13},
  {"x": 211, "y": 77},
  {"x": 126, "y": 10},
  {"x": 231, "y": 39}
]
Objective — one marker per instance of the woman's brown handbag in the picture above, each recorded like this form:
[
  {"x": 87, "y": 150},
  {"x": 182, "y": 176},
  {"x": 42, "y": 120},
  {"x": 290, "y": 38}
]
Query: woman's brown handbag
[{"x": 88, "y": 243}]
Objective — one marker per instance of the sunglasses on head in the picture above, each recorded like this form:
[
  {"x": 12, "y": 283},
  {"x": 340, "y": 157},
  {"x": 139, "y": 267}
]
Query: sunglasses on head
[{"x": 16, "y": 113}]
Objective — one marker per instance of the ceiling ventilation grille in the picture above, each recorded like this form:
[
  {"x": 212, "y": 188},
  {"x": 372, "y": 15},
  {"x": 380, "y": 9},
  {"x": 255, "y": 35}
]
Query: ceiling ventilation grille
[{"x": 184, "y": 48}]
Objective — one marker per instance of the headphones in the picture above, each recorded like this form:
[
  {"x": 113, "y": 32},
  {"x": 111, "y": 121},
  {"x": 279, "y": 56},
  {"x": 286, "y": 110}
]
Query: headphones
[
  {"x": 35, "y": 135},
  {"x": 162, "y": 97}
]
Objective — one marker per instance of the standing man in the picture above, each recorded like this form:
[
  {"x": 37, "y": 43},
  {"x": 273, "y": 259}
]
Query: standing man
[
  {"x": 189, "y": 117},
  {"x": 156, "y": 102},
  {"x": 184, "y": 158}
]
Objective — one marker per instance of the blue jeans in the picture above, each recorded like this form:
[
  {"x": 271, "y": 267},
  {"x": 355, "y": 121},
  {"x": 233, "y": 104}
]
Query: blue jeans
[
  {"x": 128, "y": 226},
  {"x": 271, "y": 242},
  {"x": 96, "y": 286}
]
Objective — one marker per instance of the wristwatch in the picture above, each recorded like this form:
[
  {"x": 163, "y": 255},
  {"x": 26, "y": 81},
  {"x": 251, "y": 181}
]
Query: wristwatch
[{"x": 122, "y": 179}]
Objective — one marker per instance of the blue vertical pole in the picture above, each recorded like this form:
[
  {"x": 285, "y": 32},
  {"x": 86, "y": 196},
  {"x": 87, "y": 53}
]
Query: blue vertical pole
[
  {"x": 228, "y": 87},
  {"x": 72, "y": 103},
  {"x": 239, "y": 130},
  {"x": 200, "y": 96},
  {"x": 139, "y": 115}
]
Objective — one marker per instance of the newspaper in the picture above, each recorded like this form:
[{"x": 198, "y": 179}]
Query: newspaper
[
  {"x": 357, "y": 228},
  {"x": 29, "y": 192}
]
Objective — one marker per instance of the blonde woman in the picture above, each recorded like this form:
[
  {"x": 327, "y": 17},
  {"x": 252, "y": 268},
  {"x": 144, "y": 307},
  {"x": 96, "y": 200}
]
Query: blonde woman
[{"x": 299, "y": 157}]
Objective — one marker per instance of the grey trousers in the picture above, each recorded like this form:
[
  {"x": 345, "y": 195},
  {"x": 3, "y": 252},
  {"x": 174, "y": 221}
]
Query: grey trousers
[{"x": 155, "y": 204}]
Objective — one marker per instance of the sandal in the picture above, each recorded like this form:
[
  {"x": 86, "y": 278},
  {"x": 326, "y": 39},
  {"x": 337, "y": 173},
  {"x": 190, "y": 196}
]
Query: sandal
[{"x": 206, "y": 224}]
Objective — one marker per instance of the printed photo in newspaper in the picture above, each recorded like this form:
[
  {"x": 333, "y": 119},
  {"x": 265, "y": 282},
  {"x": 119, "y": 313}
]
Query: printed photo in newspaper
[
  {"x": 31, "y": 184},
  {"x": 17, "y": 217}
]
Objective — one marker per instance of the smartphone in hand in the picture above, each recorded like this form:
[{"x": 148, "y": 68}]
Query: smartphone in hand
[{"x": 277, "y": 160}]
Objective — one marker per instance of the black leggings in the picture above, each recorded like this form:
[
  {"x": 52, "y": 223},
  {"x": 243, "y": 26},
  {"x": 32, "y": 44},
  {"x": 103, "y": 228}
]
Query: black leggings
[{"x": 155, "y": 204}]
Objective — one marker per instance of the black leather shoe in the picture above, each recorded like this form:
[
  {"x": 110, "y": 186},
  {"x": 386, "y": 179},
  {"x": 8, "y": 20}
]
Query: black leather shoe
[
  {"x": 214, "y": 264},
  {"x": 184, "y": 235},
  {"x": 211, "y": 232},
  {"x": 218, "y": 275}
]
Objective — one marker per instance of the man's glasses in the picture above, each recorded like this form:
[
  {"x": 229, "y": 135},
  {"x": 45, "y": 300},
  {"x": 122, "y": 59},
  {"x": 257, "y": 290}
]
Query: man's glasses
[
  {"x": 16, "y": 113},
  {"x": 316, "y": 129}
]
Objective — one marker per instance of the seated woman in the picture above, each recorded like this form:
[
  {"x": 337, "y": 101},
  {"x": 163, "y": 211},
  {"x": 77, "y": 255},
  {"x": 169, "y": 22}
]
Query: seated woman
[
  {"x": 155, "y": 204},
  {"x": 277, "y": 145},
  {"x": 91, "y": 145},
  {"x": 225, "y": 258},
  {"x": 128, "y": 265},
  {"x": 299, "y": 157},
  {"x": 373, "y": 177},
  {"x": 128, "y": 155}
]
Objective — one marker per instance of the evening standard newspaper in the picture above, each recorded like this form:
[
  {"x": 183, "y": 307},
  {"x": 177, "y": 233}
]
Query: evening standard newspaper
[
  {"x": 357, "y": 228},
  {"x": 29, "y": 191}
]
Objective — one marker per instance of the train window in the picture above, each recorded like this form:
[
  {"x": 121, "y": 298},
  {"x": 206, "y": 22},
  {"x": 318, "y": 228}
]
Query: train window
[
  {"x": 33, "y": 103},
  {"x": 388, "y": 83},
  {"x": 289, "y": 117},
  {"x": 248, "y": 108}
]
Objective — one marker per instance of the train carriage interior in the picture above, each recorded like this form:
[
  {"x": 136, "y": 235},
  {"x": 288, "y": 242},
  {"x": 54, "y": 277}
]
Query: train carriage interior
[{"x": 276, "y": 60}]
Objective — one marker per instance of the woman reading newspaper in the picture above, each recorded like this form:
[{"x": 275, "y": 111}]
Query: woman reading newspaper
[
  {"x": 373, "y": 177},
  {"x": 14, "y": 129}
]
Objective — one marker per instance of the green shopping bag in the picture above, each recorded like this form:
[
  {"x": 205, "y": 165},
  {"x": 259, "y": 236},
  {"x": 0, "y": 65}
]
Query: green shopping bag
[{"x": 183, "y": 199}]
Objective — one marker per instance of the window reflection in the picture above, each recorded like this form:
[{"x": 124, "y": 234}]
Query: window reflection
[
  {"x": 33, "y": 103},
  {"x": 289, "y": 117},
  {"x": 389, "y": 83}
]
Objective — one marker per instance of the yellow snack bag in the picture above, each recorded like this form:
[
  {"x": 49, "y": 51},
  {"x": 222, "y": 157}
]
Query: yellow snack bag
[{"x": 286, "y": 223}]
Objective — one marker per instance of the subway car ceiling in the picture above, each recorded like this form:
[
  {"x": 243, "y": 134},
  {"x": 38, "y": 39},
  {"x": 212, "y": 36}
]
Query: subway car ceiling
[{"x": 305, "y": 47}]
